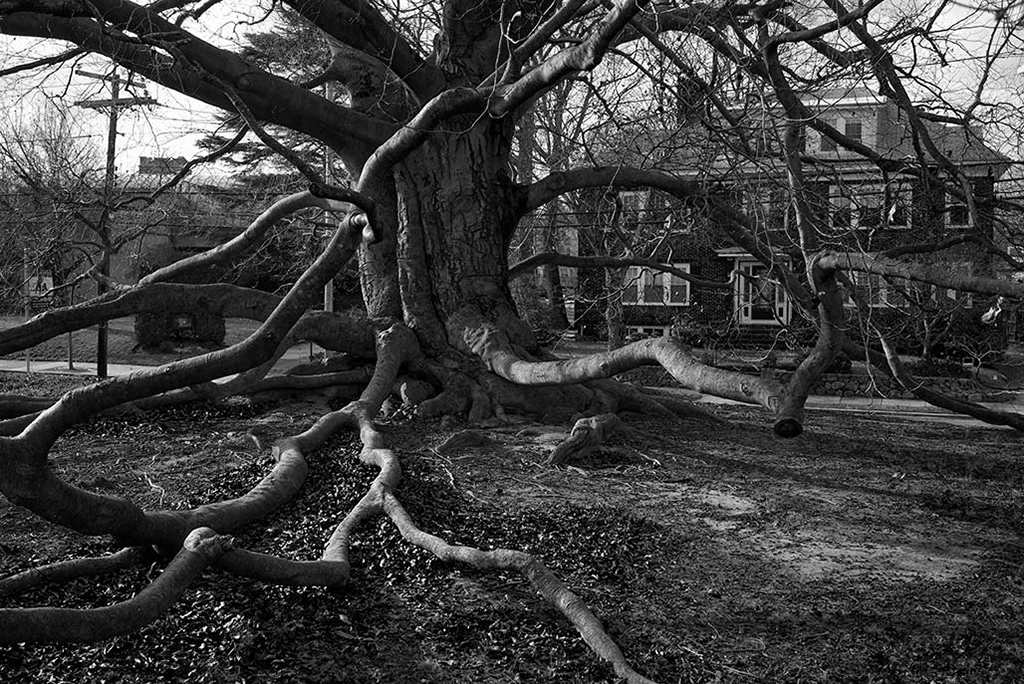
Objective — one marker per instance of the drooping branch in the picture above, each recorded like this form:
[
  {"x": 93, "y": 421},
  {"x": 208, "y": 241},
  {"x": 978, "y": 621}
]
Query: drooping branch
[
  {"x": 229, "y": 301},
  {"x": 934, "y": 275},
  {"x": 248, "y": 238},
  {"x": 332, "y": 330},
  {"x": 889, "y": 363},
  {"x": 24, "y": 474}
]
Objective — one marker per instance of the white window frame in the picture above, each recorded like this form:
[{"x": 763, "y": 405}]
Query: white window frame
[
  {"x": 644, "y": 278},
  {"x": 649, "y": 330},
  {"x": 783, "y": 308}
]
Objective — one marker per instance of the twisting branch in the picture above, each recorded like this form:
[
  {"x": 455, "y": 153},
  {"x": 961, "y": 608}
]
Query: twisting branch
[
  {"x": 186, "y": 170},
  {"x": 581, "y": 57},
  {"x": 45, "y": 61},
  {"x": 481, "y": 338},
  {"x": 248, "y": 238}
]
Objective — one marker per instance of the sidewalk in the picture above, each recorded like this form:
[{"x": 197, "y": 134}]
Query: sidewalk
[
  {"x": 912, "y": 409},
  {"x": 295, "y": 356}
]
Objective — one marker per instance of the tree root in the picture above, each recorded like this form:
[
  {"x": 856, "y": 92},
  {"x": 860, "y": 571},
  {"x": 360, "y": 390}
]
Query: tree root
[
  {"x": 201, "y": 546},
  {"x": 545, "y": 582},
  {"x": 587, "y": 434},
  {"x": 72, "y": 569},
  {"x": 87, "y": 625}
]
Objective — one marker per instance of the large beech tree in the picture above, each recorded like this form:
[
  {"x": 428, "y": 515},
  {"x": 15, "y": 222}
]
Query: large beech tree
[{"x": 427, "y": 131}]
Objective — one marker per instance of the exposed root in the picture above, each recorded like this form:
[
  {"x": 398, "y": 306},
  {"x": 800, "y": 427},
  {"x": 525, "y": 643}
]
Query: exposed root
[
  {"x": 680, "y": 406},
  {"x": 14, "y": 405},
  {"x": 199, "y": 546},
  {"x": 71, "y": 569},
  {"x": 545, "y": 582},
  {"x": 587, "y": 434},
  {"x": 88, "y": 625},
  {"x": 462, "y": 440},
  {"x": 276, "y": 570}
]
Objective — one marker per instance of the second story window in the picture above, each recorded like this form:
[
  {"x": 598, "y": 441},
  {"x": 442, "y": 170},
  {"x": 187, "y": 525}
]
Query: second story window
[
  {"x": 854, "y": 130},
  {"x": 850, "y": 127},
  {"x": 957, "y": 214}
]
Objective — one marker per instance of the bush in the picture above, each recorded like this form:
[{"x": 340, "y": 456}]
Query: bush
[
  {"x": 155, "y": 329},
  {"x": 694, "y": 327},
  {"x": 937, "y": 368}
]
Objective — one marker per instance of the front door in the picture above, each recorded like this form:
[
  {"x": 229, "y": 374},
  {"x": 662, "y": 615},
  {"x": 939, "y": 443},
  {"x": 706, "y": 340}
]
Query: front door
[{"x": 761, "y": 300}]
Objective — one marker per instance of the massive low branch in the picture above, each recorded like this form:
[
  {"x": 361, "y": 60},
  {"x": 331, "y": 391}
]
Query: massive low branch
[
  {"x": 248, "y": 238},
  {"x": 581, "y": 57},
  {"x": 489, "y": 343},
  {"x": 269, "y": 97}
]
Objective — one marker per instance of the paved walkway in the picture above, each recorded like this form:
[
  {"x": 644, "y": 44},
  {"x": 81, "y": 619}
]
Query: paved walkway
[{"x": 295, "y": 356}]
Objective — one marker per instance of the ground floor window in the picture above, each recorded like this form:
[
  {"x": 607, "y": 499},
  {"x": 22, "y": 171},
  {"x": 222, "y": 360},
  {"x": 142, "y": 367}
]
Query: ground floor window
[
  {"x": 646, "y": 287},
  {"x": 648, "y": 330}
]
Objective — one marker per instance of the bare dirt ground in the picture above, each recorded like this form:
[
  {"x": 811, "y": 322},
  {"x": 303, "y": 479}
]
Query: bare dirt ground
[{"x": 868, "y": 550}]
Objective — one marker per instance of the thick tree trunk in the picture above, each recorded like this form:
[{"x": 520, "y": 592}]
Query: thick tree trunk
[{"x": 458, "y": 208}]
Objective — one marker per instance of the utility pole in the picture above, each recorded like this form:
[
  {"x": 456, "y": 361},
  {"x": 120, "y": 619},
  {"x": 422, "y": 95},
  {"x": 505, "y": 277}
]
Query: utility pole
[
  {"x": 328, "y": 172},
  {"x": 112, "y": 106}
]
